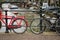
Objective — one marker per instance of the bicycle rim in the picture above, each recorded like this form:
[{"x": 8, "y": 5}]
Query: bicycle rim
[
  {"x": 19, "y": 29},
  {"x": 58, "y": 32},
  {"x": 35, "y": 26},
  {"x": 58, "y": 27}
]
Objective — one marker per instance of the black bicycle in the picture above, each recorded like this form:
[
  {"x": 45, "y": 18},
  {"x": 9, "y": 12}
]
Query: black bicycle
[{"x": 39, "y": 25}]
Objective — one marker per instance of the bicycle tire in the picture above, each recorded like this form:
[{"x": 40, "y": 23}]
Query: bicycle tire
[
  {"x": 19, "y": 30},
  {"x": 58, "y": 32},
  {"x": 58, "y": 28},
  {"x": 35, "y": 24}
]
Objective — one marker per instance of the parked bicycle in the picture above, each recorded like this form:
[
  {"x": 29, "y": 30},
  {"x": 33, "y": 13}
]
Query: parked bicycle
[
  {"x": 39, "y": 25},
  {"x": 17, "y": 24}
]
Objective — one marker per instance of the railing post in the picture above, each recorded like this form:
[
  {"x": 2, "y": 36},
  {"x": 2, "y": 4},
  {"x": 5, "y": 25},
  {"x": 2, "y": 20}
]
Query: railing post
[
  {"x": 40, "y": 13},
  {"x": 6, "y": 22},
  {"x": 40, "y": 19}
]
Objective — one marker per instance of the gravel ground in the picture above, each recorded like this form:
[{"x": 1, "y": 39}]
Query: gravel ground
[{"x": 27, "y": 36}]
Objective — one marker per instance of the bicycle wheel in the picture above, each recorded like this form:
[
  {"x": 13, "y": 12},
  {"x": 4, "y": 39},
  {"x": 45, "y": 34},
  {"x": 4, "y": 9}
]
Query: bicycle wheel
[
  {"x": 58, "y": 27},
  {"x": 58, "y": 31},
  {"x": 19, "y": 25},
  {"x": 35, "y": 26}
]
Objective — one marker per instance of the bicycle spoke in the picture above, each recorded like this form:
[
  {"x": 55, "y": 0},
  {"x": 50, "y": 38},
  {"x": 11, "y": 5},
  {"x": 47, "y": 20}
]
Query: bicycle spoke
[{"x": 20, "y": 27}]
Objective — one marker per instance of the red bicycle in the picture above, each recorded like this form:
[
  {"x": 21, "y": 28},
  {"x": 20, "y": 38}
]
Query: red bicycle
[{"x": 17, "y": 24}]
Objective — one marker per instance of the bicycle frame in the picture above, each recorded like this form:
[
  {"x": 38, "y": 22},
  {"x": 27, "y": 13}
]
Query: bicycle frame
[{"x": 11, "y": 20}]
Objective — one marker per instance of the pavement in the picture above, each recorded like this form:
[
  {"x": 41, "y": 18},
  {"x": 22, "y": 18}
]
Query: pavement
[{"x": 29, "y": 36}]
